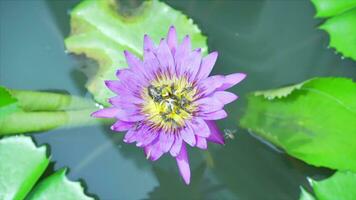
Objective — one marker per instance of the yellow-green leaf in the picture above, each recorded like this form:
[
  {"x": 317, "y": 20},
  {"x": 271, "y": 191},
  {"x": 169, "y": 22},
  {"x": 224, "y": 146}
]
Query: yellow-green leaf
[{"x": 100, "y": 32}]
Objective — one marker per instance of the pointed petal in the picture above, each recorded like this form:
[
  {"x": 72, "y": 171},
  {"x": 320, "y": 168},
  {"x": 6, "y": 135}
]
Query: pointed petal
[
  {"x": 181, "y": 53},
  {"x": 183, "y": 164},
  {"x": 200, "y": 127},
  {"x": 152, "y": 151},
  {"x": 130, "y": 136},
  {"x": 165, "y": 57},
  {"x": 172, "y": 39},
  {"x": 176, "y": 146},
  {"x": 210, "y": 84},
  {"x": 225, "y": 97},
  {"x": 209, "y": 104},
  {"x": 115, "y": 86},
  {"x": 148, "y": 44},
  {"x": 166, "y": 141},
  {"x": 188, "y": 136},
  {"x": 122, "y": 125},
  {"x": 151, "y": 64},
  {"x": 207, "y": 65},
  {"x": 106, "y": 113},
  {"x": 220, "y": 114},
  {"x": 133, "y": 62},
  {"x": 191, "y": 63},
  {"x": 215, "y": 134},
  {"x": 124, "y": 99},
  {"x": 231, "y": 80},
  {"x": 147, "y": 138},
  {"x": 129, "y": 115},
  {"x": 201, "y": 143}
]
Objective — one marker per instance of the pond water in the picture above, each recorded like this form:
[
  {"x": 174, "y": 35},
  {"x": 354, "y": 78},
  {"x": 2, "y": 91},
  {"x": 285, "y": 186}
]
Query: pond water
[{"x": 275, "y": 42}]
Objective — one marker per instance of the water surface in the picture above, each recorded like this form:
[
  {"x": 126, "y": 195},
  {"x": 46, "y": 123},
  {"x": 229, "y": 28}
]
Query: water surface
[{"x": 275, "y": 42}]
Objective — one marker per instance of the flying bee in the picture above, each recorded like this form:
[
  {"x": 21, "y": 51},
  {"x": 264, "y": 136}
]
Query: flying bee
[
  {"x": 229, "y": 134},
  {"x": 155, "y": 93}
]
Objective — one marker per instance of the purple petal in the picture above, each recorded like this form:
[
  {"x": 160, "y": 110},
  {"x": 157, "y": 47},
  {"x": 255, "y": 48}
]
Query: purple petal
[
  {"x": 191, "y": 63},
  {"x": 181, "y": 53},
  {"x": 166, "y": 141},
  {"x": 225, "y": 97},
  {"x": 209, "y": 104},
  {"x": 114, "y": 85},
  {"x": 147, "y": 138},
  {"x": 152, "y": 151},
  {"x": 129, "y": 115},
  {"x": 133, "y": 80},
  {"x": 188, "y": 136},
  {"x": 210, "y": 84},
  {"x": 176, "y": 146},
  {"x": 231, "y": 80},
  {"x": 200, "y": 127},
  {"x": 130, "y": 136},
  {"x": 165, "y": 57},
  {"x": 215, "y": 134},
  {"x": 133, "y": 62},
  {"x": 148, "y": 44},
  {"x": 136, "y": 65},
  {"x": 106, "y": 113},
  {"x": 207, "y": 65},
  {"x": 151, "y": 64},
  {"x": 183, "y": 164},
  {"x": 220, "y": 114},
  {"x": 201, "y": 143},
  {"x": 172, "y": 39},
  {"x": 124, "y": 99},
  {"x": 122, "y": 125}
]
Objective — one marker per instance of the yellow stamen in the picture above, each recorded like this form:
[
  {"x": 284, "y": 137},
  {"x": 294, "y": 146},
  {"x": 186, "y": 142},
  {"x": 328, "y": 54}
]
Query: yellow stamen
[{"x": 169, "y": 102}]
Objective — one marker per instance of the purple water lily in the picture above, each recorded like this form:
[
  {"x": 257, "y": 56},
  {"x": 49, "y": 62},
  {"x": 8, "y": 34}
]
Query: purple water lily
[{"x": 168, "y": 99}]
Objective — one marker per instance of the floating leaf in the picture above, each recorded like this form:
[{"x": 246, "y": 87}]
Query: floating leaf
[
  {"x": 100, "y": 32},
  {"x": 340, "y": 186},
  {"x": 342, "y": 31},
  {"x": 58, "y": 187},
  {"x": 341, "y": 26},
  {"x": 21, "y": 166},
  {"x": 315, "y": 123},
  {"x": 329, "y": 8}
]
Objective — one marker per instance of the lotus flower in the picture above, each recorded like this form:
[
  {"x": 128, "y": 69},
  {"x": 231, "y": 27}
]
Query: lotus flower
[{"x": 169, "y": 100}]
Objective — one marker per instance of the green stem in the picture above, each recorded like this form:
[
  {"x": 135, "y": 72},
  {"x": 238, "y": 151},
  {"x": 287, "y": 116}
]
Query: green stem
[
  {"x": 46, "y": 101},
  {"x": 24, "y": 122}
]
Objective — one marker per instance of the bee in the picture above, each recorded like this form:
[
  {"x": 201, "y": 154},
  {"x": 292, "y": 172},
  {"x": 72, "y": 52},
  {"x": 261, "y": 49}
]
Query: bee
[
  {"x": 155, "y": 94},
  {"x": 229, "y": 134}
]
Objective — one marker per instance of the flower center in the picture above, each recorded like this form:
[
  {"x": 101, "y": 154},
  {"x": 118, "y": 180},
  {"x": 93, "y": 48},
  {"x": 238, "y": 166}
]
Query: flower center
[{"x": 169, "y": 102}]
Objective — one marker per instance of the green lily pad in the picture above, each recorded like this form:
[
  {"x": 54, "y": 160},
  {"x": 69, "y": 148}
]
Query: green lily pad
[
  {"x": 340, "y": 186},
  {"x": 329, "y": 8},
  {"x": 341, "y": 26},
  {"x": 102, "y": 33},
  {"x": 342, "y": 31},
  {"x": 314, "y": 122},
  {"x": 58, "y": 187},
  {"x": 21, "y": 166}
]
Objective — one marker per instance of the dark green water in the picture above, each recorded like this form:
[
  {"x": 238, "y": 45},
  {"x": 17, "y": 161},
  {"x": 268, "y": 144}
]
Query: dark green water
[{"x": 275, "y": 42}]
